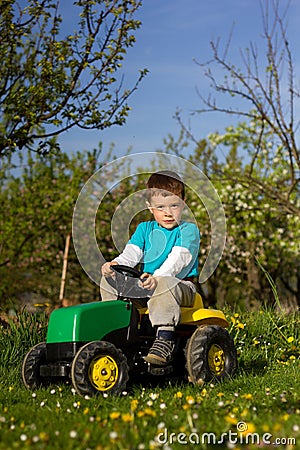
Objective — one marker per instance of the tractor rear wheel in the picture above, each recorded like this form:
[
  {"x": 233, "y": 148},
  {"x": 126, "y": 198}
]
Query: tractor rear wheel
[
  {"x": 99, "y": 367},
  {"x": 31, "y": 366},
  {"x": 210, "y": 355}
]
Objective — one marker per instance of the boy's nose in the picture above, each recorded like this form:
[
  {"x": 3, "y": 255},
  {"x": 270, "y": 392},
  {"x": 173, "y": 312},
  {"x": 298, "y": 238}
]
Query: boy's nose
[{"x": 167, "y": 210}]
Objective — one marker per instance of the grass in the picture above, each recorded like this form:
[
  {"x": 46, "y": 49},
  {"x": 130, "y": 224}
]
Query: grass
[{"x": 260, "y": 405}]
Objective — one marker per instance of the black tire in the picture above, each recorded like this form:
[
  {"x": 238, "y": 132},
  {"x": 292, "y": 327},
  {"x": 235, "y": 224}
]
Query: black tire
[
  {"x": 31, "y": 366},
  {"x": 109, "y": 377},
  {"x": 210, "y": 355}
]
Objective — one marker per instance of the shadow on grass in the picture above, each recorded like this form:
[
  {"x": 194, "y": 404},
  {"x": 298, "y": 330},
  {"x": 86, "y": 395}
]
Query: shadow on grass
[{"x": 253, "y": 367}]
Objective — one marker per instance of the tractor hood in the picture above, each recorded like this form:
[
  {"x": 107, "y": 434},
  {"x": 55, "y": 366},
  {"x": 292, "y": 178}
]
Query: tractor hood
[{"x": 87, "y": 322}]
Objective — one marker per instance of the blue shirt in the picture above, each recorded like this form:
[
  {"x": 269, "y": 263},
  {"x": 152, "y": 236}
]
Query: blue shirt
[{"x": 157, "y": 242}]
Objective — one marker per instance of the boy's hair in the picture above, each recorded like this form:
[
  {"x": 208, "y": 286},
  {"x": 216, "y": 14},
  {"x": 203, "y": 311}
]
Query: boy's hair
[{"x": 166, "y": 182}]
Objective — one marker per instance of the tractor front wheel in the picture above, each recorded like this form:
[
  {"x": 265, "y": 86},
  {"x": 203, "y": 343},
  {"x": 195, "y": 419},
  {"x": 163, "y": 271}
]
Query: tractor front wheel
[
  {"x": 210, "y": 355},
  {"x": 99, "y": 367}
]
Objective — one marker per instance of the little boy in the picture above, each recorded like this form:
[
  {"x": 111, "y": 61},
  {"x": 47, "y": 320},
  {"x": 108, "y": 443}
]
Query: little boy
[{"x": 167, "y": 248}]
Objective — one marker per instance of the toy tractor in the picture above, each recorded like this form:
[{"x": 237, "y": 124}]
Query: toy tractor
[{"x": 99, "y": 345}]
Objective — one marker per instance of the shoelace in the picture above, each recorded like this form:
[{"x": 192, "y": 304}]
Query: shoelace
[{"x": 162, "y": 348}]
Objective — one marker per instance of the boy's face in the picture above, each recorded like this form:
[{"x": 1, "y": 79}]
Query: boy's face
[{"x": 166, "y": 210}]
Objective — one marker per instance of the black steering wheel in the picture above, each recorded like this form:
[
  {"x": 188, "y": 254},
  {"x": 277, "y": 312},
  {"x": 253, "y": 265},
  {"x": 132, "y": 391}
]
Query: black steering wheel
[
  {"x": 128, "y": 286},
  {"x": 130, "y": 272}
]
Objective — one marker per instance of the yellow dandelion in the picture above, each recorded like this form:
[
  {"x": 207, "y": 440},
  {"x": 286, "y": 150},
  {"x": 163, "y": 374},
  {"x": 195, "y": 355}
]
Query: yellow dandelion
[
  {"x": 290, "y": 339},
  {"x": 285, "y": 417},
  {"x": 244, "y": 413},
  {"x": 247, "y": 396},
  {"x": 231, "y": 419},
  {"x": 277, "y": 427},
  {"x": 150, "y": 412},
  {"x": 127, "y": 417},
  {"x": 240, "y": 325},
  {"x": 249, "y": 428},
  {"x": 178, "y": 395},
  {"x": 134, "y": 404},
  {"x": 146, "y": 412},
  {"x": 44, "y": 436},
  {"x": 199, "y": 399},
  {"x": 115, "y": 415},
  {"x": 86, "y": 411}
]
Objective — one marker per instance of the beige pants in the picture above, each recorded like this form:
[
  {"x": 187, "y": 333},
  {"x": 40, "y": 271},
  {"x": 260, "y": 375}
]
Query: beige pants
[{"x": 164, "y": 304}]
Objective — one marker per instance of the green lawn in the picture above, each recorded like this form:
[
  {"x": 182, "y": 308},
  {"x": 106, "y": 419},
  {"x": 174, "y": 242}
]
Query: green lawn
[{"x": 259, "y": 407}]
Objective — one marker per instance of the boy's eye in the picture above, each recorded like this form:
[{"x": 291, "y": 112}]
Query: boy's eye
[{"x": 161, "y": 207}]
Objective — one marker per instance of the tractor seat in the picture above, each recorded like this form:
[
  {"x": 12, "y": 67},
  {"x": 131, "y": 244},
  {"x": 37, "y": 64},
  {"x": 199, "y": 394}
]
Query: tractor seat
[{"x": 198, "y": 315}]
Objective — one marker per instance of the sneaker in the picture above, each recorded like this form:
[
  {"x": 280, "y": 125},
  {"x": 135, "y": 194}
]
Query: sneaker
[{"x": 161, "y": 352}]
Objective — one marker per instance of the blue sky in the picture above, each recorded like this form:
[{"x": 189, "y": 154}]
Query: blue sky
[{"x": 173, "y": 34}]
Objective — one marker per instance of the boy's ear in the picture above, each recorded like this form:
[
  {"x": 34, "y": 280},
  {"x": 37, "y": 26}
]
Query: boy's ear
[{"x": 149, "y": 206}]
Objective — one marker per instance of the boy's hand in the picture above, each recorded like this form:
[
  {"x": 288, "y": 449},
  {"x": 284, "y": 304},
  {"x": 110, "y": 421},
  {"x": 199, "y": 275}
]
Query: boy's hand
[
  {"x": 150, "y": 281},
  {"x": 106, "y": 270}
]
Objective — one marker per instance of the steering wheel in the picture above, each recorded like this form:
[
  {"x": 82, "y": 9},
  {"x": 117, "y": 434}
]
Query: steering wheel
[
  {"x": 130, "y": 272},
  {"x": 126, "y": 282}
]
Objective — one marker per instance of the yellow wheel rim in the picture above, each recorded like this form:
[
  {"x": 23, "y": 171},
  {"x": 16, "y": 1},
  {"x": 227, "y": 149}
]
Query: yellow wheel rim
[
  {"x": 103, "y": 372},
  {"x": 216, "y": 359}
]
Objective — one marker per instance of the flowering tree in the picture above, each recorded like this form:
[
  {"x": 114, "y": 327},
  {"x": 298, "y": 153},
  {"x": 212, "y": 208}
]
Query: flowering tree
[{"x": 50, "y": 83}]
